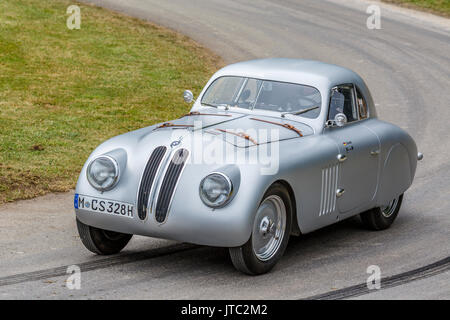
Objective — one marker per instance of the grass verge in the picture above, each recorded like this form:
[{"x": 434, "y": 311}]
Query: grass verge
[
  {"x": 439, "y": 7},
  {"x": 62, "y": 92}
]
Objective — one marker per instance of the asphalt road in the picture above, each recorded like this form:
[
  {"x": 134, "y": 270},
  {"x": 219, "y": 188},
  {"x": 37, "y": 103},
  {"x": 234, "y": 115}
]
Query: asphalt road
[{"x": 406, "y": 65}]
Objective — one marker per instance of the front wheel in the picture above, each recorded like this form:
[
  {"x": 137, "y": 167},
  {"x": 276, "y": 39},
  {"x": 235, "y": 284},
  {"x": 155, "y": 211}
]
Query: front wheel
[
  {"x": 101, "y": 241},
  {"x": 382, "y": 217},
  {"x": 270, "y": 234}
]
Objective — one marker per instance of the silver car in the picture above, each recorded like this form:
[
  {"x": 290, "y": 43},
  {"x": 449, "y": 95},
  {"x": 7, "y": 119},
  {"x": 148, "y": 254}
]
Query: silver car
[{"x": 270, "y": 148}]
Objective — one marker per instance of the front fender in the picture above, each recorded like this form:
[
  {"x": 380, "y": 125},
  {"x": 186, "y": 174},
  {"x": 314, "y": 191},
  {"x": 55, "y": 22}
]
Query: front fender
[{"x": 229, "y": 226}]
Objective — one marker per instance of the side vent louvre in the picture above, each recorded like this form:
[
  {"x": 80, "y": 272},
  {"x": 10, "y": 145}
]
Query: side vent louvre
[
  {"x": 169, "y": 183},
  {"x": 147, "y": 180},
  {"x": 329, "y": 185}
]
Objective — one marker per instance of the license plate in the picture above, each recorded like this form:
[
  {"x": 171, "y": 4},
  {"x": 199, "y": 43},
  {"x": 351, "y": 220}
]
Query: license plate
[{"x": 103, "y": 206}]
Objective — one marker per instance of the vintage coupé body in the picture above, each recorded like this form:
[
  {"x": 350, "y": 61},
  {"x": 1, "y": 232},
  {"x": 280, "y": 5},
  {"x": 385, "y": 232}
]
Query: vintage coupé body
[{"x": 326, "y": 157}]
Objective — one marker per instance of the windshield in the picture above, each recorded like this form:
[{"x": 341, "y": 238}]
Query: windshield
[{"x": 252, "y": 93}]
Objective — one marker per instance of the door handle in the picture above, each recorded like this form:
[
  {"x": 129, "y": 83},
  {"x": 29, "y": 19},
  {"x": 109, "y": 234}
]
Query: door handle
[
  {"x": 375, "y": 152},
  {"x": 339, "y": 192},
  {"x": 341, "y": 157}
]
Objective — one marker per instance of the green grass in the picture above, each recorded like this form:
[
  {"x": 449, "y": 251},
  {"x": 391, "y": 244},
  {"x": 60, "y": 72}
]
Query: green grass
[
  {"x": 441, "y": 7},
  {"x": 62, "y": 92}
]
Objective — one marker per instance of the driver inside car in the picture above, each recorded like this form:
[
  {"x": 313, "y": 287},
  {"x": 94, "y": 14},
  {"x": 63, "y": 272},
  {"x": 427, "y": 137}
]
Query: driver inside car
[{"x": 336, "y": 104}]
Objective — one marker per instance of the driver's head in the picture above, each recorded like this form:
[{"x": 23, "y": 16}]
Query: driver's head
[{"x": 245, "y": 95}]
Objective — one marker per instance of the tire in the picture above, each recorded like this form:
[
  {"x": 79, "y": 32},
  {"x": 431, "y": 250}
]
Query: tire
[
  {"x": 102, "y": 242},
  {"x": 247, "y": 258},
  {"x": 382, "y": 218}
]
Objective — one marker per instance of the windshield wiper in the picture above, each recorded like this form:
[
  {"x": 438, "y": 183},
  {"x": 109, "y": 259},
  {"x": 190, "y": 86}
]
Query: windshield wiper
[
  {"x": 285, "y": 125},
  {"x": 170, "y": 124},
  {"x": 224, "y": 105},
  {"x": 239, "y": 134},
  {"x": 296, "y": 113},
  {"x": 197, "y": 113},
  {"x": 209, "y": 104}
]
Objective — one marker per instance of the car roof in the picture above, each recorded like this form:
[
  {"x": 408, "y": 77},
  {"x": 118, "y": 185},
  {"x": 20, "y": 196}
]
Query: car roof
[
  {"x": 308, "y": 72},
  {"x": 320, "y": 75}
]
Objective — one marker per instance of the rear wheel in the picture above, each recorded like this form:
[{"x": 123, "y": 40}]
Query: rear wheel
[
  {"x": 101, "y": 241},
  {"x": 270, "y": 234},
  {"x": 382, "y": 217}
]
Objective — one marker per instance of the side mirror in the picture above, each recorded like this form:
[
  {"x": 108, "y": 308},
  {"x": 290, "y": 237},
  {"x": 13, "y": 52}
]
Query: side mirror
[
  {"x": 188, "y": 96},
  {"x": 340, "y": 119}
]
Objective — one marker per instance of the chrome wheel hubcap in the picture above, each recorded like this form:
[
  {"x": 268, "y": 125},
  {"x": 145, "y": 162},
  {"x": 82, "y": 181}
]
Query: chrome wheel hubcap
[
  {"x": 269, "y": 228},
  {"x": 389, "y": 209}
]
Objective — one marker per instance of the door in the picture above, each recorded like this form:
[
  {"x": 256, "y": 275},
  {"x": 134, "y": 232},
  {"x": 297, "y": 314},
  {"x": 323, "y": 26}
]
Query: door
[{"x": 359, "y": 149}]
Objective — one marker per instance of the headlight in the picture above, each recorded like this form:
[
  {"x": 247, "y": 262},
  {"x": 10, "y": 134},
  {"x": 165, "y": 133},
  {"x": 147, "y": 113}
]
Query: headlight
[
  {"x": 103, "y": 173},
  {"x": 215, "y": 189}
]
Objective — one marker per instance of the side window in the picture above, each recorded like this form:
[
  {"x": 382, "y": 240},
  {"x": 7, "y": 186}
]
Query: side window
[
  {"x": 362, "y": 105},
  {"x": 343, "y": 101}
]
